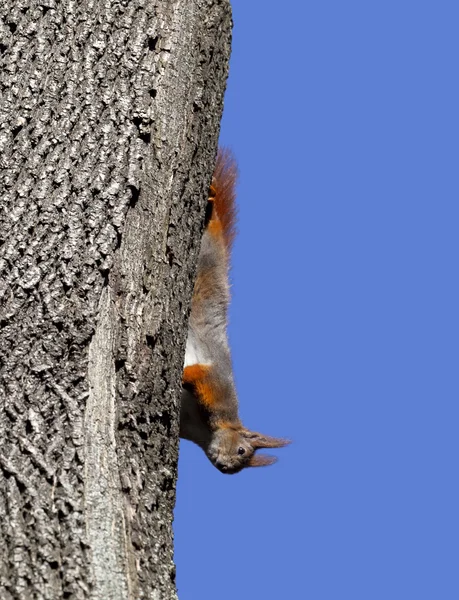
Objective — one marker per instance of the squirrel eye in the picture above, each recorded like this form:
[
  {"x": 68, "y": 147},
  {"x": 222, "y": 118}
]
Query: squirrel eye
[{"x": 241, "y": 450}]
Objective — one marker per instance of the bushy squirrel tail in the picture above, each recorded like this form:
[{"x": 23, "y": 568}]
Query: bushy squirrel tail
[{"x": 224, "y": 187}]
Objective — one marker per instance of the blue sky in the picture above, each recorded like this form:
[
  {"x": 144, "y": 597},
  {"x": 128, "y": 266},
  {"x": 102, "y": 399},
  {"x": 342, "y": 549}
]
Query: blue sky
[{"x": 344, "y": 322}]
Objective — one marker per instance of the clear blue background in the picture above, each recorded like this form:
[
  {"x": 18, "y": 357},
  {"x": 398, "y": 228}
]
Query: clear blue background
[{"x": 344, "y": 321}]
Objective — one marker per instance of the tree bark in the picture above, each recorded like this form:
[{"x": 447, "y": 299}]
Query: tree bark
[{"x": 109, "y": 120}]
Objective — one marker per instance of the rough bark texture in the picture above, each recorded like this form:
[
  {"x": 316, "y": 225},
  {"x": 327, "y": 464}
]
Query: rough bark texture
[{"x": 109, "y": 121}]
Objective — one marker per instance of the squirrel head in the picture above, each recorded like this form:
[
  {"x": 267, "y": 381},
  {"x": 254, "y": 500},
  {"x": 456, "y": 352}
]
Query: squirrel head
[{"x": 231, "y": 449}]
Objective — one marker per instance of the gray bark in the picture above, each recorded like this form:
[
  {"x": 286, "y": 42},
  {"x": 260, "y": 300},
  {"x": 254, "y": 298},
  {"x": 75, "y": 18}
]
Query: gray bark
[{"x": 109, "y": 119}]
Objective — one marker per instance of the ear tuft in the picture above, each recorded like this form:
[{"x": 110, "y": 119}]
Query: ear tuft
[
  {"x": 264, "y": 441},
  {"x": 261, "y": 460}
]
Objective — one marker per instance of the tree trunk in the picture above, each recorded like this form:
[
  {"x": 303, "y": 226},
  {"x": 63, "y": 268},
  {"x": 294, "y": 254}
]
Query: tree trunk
[{"x": 109, "y": 119}]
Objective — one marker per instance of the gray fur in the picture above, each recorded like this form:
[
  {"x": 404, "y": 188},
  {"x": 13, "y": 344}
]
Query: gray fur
[{"x": 207, "y": 339}]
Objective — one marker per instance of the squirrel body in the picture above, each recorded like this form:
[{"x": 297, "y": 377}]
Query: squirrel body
[{"x": 209, "y": 405}]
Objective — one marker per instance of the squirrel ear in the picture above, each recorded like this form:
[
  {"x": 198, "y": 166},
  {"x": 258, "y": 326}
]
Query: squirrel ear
[
  {"x": 261, "y": 460},
  {"x": 264, "y": 441}
]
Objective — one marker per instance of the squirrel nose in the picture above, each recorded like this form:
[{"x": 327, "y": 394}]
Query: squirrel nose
[{"x": 221, "y": 467}]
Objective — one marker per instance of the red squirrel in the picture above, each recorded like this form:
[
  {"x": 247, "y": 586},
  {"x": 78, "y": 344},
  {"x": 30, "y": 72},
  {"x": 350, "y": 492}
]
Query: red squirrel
[{"x": 209, "y": 406}]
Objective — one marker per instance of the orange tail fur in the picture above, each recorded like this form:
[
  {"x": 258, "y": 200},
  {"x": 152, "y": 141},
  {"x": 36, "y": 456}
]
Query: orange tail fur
[{"x": 224, "y": 184}]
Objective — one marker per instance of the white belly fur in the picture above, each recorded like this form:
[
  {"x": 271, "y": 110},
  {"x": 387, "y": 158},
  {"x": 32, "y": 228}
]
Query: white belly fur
[{"x": 194, "y": 354}]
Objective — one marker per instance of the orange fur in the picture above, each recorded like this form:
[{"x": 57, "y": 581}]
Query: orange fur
[
  {"x": 227, "y": 425},
  {"x": 223, "y": 189},
  {"x": 206, "y": 392},
  {"x": 198, "y": 376},
  {"x": 216, "y": 228},
  {"x": 194, "y": 373}
]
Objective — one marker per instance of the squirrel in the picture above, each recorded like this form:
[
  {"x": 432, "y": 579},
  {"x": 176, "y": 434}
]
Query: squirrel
[{"x": 209, "y": 405}]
